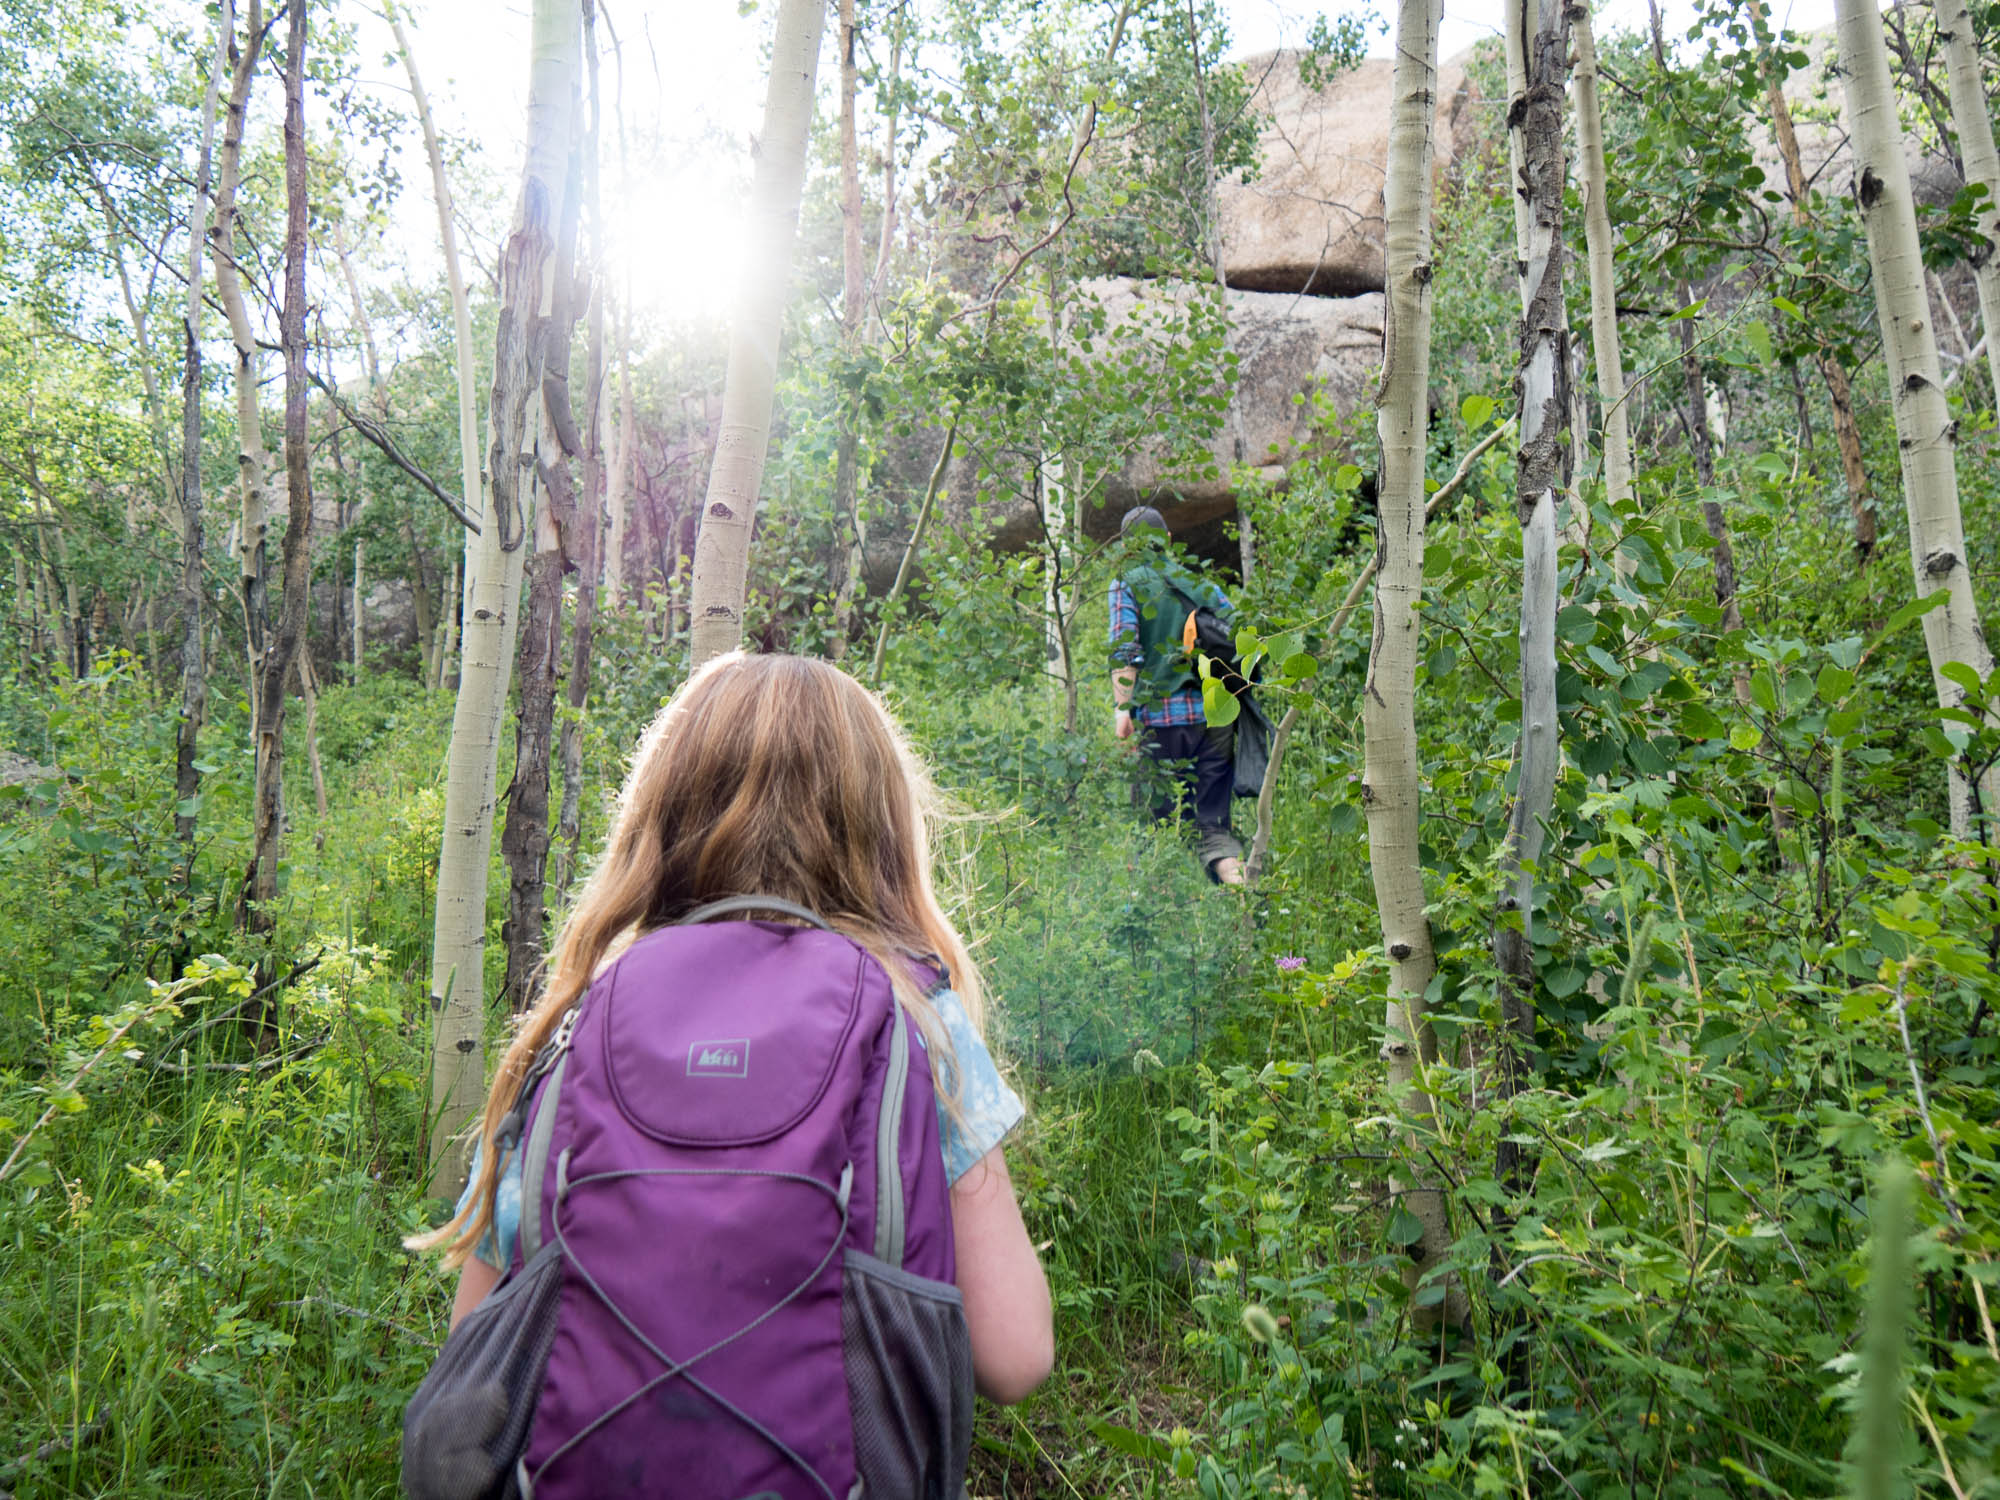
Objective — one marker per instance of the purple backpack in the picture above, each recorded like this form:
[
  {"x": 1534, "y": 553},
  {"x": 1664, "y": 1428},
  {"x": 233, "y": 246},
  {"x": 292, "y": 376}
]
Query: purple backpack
[{"x": 734, "y": 1279}]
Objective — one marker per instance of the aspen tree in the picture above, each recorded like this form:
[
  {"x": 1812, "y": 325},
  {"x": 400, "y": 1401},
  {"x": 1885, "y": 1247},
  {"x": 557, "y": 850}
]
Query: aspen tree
[
  {"x": 1839, "y": 390},
  {"x": 1603, "y": 274},
  {"x": 250, "y": 459},
  {"x": 524, "y": 841},
  {"x": 722, "y": 546},
  {"x": 1971, "y": 119},
  {"x": 492, "y": 595},
  {"x": 1540, "y": 28},
  {"x": 471, "y": 486},
  {"x": 267, "y": 805},
  {"x": 853, "y": 317},
  {"x": 1390, "y": 779},
  {"x": 585, "y": 550},
  {"x": 1926, "y": 432},
  {"x": 194, "y": 669}
]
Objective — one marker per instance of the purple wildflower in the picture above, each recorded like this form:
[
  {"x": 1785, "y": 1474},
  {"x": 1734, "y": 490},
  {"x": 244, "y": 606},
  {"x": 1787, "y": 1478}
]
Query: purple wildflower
[{"x": 1290, "y": 963}]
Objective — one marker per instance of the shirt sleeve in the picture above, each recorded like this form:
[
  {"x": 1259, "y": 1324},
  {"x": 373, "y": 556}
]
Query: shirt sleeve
[
  {"x": 1125, "y": 648},
  {"x": 988, "y": 1110},
  {"x": 496, "y": 1246}
]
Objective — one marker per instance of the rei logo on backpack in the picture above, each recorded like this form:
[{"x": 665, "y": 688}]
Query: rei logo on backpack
[{"x": 721, "y": 1292}]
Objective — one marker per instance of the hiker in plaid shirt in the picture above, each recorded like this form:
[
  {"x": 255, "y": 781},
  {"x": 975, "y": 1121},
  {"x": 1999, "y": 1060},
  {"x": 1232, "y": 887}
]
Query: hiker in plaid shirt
[{"x": 1158, "y": 696}]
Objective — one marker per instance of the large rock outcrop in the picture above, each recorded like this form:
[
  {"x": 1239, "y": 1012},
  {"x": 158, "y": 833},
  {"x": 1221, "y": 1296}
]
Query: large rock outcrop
[
  {"x": 1311, "y": 219},
  {"x": 1292, "y": 352}
]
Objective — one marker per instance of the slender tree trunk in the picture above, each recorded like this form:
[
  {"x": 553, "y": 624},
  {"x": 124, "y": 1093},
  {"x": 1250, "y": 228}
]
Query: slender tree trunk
[
  {"x": 1926, "y": 432},
  {"x": 250, "y": 460},
  {"x": 470, "y": 480},
  {"x": 524, "y": 841},
  {"x": 887, "y": 240},
  {"x": 267, "y": 808},
  {"x": 1840, "y": 394},
  {"x": 1603, "y": 278},
  {"x": 853, "y": 317},
  {"x": 309, "y": 688},
  {"x": 378, "y": 395},
  {"x": 142, "y": 343},
  {"x": 454, "y": 600},
  {"x": 1391, "y": 786},
  {"x": 420, "y": 598},
  {"x": 618, "y": 483},
  {"x": 722, "y": 546},
  {"x": 1540, "y": 28},
  {"x": 492, "y": 595},
  {"x": 1972, "y": 119},
  {"x": 910, "y": 549},
  {"x": 194, "y": 668},
  {"x": 587, "y": 551}
]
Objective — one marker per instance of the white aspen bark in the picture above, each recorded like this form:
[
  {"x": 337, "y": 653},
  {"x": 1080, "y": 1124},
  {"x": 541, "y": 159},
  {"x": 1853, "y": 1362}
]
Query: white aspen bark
[
  {"x": 1391, "y": 780},
  {"x": 618, "y": 481},
  {"x": 722, "y": 545},
  {"x": 853, "y": 320},
  {"x": 194, "y": 666},
  {"x": 1972, "y": 119},
  {"x": 252, "y": 466},
  {"x": 887, "y": 242},
  {"x": 1539, "y": 30},
  {"x": 453, "y": 601},
  {"x": 493, "y": 566},
  {"x": 1603, "y": 277},
  {"x": 470, "y": 478},
  {"x": 1926, "y": 432},
  {"x": 359, "y": 629}
]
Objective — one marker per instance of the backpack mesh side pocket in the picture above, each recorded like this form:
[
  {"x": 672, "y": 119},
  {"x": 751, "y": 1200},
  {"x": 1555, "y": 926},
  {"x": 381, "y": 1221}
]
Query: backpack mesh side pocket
[
  {"x": 468, "y": 1422},
  {"x": 909, "y": 1380}
]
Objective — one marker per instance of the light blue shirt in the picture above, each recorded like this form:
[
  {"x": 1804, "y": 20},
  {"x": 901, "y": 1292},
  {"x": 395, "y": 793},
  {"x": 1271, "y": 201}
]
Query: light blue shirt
[{"x": 988, "y": 1110}]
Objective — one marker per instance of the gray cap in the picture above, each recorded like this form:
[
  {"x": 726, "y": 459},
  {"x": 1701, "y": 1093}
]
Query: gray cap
[{"x": 1140, "y": 517}]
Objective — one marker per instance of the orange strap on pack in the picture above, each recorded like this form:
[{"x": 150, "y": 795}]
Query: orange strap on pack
[{"x": 1188, "y": 634}]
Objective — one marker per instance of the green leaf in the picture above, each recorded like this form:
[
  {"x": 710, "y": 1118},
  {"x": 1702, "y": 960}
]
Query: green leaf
[
  {"x": 1405, "y": 1228},
  {"x": 1136, "y": 1444},
  {"x": 1699, "y": 722},
  {"x": 1692, "y": 310},
  {"x": 1834, "y": 684},
  {"x": 1565, "y": 979},
  {"x": 1758, "y": 337},
  {"x": 1764, "y": 691},
  {"x": 1218, "y": 705},
  {"x": 1347, "y": 477},
  {"x": 1745, "y": 737},
  {"x": 1789, "y": 308},
  {"x": 1962, "y": 673},
  {"x": 1477, "y": 411},
  {"x": 1442, "y": 662},
  {"x": 1576, "y": 624},
  {"x": 1915, "y": 609},
  {"x": 1299, "y": 666}
]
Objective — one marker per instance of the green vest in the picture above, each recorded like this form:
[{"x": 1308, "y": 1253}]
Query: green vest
[{"x": 1165, "y": 595}]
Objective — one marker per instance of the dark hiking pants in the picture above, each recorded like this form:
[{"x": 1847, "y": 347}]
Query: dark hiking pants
[{"x": 1203, "y": 765}]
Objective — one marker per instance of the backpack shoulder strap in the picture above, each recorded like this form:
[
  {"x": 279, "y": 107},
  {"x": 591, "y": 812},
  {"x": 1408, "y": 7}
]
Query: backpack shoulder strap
[{"x": 731, "y": 904}]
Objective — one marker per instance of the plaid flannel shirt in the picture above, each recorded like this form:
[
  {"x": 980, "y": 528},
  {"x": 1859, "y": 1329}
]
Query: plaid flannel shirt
[{"x": 1181, "y": 709}]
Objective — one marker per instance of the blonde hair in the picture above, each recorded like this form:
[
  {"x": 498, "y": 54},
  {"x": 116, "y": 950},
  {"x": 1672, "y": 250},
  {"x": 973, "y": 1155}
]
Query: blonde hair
[{"x": 768, "y": 776}]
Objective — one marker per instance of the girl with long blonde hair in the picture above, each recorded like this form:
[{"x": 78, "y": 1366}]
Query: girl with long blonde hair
[{"x": 782, "y": 777}]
